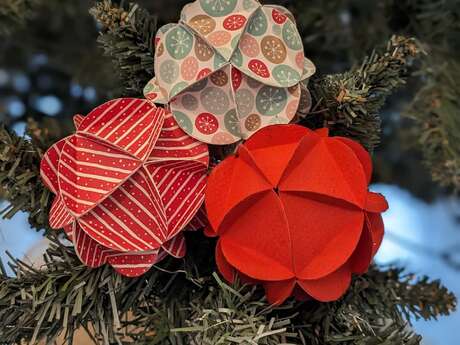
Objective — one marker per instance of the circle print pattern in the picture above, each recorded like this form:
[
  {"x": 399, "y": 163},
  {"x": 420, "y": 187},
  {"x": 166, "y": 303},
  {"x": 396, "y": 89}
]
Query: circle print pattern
[
  {"x": 234, "y": 22},
  {"x": 215, "y": 100},
  {"x": 291, "y": 36},
  {"x": 222, "y": 138},
  {"x": 169, "y": 71},
  {"x": 179, "y": 43},
  {"x": 286, "y": 75},
  {"x": 278, "y": 17},
  {"x": 219, "y": 78},
  {"x": 218, "y": 8},
  {"x": 271, "y": 101},
  {"x": 189, "y": 102},
  {"x": 206, "y": 123},
  {"x": 253, "y": 122},
  {"x": 244, "y": 101},
  {"x": 232, "y": 123},
  {"x": 249, "y": 4},
  {"x": 237, "y": 58},
  {"x": 237, "y": 78},
  {"x": 178, "y": 88},
  {"x": 249, "y": 46},
  {"x": 189, "y": 68},
  {"x": 203, "y": 24},
  {"x": 202, "y": 51},
  {"x": 183, "y": 121},
  {"x": 259, "y": 24},
  {"x": 259, "y": 68},
  {"x": 198, "y": 86},
  {"x": 274, "y": 49},
  {"x": 219, "y": 38}
]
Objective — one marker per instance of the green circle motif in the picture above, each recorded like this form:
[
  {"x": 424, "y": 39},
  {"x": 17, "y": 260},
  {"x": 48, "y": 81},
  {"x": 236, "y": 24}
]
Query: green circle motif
[
  {"x": 218, "y": 8},
  {"x": 259, "y": 24},
  {"x": 179, "y": 43},
  {"x": 291, "y": 36},
  {"x": 219, "y": 61},
  {"x": 169, "y": 71},
  {"x": 286, "y": 75},
  {"x": 178, "y": 88},
  {"x": 249, "y": 4},
  {"x": 237, "y": 58},
  {"x": 235, "y": 41},
  {"x": 183, "y": 121},
  {"x": 232, "y": 123},
  {"x": 271, "y": 101}
]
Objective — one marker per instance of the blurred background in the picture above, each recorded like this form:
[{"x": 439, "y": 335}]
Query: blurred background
[{"x": 51, "y": 68}]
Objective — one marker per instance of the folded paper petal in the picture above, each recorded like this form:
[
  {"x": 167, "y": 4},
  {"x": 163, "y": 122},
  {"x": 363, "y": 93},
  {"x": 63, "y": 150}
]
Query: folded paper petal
[
  {"x": 316, "y": 167},
  {"x": 49, "y": 166},
  {"x": 329, "y": 288},
  {"x": 276, "y": 61},
  {"x": 334, "y": 230},
  {"x": 257, "y": 236},
  {"x": 225, "y": 190},
  {"x": 90, "y": 171},
  {"x": 128, "y": 124}
]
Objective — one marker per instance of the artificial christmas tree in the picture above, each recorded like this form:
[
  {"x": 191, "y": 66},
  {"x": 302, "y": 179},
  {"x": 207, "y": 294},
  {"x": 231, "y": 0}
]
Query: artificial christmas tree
[{"x": 184, "y": 301}]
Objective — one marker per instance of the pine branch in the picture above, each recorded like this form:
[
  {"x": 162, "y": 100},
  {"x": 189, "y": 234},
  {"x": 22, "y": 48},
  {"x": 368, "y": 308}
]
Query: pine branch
[
  {"x": 436, "y": 113},
  {"x": 181, "y": 303},
  {"x": 20, "y": 180},
  {"x": 127, "y": 37},
  {"x": 349, "y": 103}
]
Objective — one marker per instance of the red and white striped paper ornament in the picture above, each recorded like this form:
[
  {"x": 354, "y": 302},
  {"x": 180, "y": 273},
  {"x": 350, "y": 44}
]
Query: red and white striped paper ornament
[{"x": 127, "y": 183}]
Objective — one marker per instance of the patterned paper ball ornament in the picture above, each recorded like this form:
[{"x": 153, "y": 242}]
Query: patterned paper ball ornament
[
  {"x": 230, "y": 68},
  {"x": 293, "y": 212},
  {"x": 127, "y": 183}
]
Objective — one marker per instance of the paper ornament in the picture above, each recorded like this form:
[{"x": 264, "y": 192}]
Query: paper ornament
[
  {"x": 127, "y": 183},
  {"x": 293, "y": 212},
  {"x": 230, "y": 68}
]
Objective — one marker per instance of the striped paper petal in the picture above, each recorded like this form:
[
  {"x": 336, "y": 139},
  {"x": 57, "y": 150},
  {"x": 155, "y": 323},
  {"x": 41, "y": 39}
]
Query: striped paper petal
[
  {"x": 128, "y": 124},
  {"x": 93, "y": 254},
  {"x": 176, "y": 247},
  {"x": 130, "y": 219},
  {"x": 59, "y": 215},
  {"x": 181, "y": 186},
  {"x": 175, "y": 144},
  {"x": 200, "y": 220},
  {"x": 89, "y": 171},
  {"x": 49, "y": 166}
]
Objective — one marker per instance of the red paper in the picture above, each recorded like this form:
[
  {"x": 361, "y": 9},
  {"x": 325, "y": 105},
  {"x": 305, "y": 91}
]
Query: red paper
[
  {"x": 293, "y": 212},
  {"x": 126, "y": 183}
]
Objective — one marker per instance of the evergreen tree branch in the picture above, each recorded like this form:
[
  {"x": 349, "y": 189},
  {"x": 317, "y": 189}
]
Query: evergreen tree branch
[
  {"x": 437, "y": 122},
  {"x": 127, "y": 37},
  {"x": 181, "y": 303},
  {"x": 20, "y": 180},
  {"x": 349, "y": 103}
]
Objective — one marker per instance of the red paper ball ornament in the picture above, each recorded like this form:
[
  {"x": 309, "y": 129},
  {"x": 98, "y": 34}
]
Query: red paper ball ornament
[
  {"x": 127, "y": 183},
  {"x": 293, "y": 212}
]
